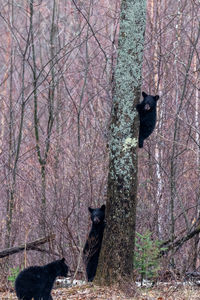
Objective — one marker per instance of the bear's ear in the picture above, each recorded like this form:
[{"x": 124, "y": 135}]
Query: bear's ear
[
  {"x": 144, "y": 94},
  {"x": 90, "y": 209},
  {"x": 63, "y": 259},
  {"x": 157, "y": 97},
  {"x": 103, "y": 207}
]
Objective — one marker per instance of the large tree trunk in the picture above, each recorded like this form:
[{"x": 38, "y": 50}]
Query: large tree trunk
[{"x": 116, "y": 259}]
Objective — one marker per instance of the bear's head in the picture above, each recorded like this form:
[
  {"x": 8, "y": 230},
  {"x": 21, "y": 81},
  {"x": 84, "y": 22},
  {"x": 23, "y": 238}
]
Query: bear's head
[
  {"x": 149, "y": 101},
  {"x": 97, "y": 214},
  {"x": 62, "y": 267}
]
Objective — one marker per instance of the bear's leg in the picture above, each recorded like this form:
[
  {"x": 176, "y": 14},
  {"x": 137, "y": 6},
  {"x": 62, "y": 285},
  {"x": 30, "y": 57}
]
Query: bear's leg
[
  {"x": 22, "y": 297},
  {"x": 46, "y": 296},
  {"x": 92, "y": 267},
  {"x": 46, "y": 293},
  {"x": 90, "y": 272},
  {"x": 141, "y": 141}
]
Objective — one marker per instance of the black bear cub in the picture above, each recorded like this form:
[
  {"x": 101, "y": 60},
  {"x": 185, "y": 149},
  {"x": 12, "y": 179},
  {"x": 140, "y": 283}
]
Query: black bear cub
[
  {"x": 147, "y": 115},
  {"x": 92, "y": 246},
  {"x": 37, "y": 282}
]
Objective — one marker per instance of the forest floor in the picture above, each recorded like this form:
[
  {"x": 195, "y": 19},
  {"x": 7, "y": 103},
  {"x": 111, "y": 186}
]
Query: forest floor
[{"x": 92, "y": 292}]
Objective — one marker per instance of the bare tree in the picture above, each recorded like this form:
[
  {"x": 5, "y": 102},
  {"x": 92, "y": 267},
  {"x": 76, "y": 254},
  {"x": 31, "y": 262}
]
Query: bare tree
[{"x": 116, "y": 259}]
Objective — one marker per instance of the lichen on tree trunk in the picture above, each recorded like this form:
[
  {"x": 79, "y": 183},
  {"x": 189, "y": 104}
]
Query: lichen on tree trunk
[{"x": 116, "y": 258}]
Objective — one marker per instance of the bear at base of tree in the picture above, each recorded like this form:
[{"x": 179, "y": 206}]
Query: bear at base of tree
[
  {"x": 37, "y": 281},
  {"x": 147, "y": 115},
  {"x": 92, "y": 246}
]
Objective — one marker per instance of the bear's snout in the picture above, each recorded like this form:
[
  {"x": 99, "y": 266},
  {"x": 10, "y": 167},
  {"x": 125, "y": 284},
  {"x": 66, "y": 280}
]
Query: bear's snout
[
  {"x": 147, "y": 107},
  {"x": 96, "y": 220}
]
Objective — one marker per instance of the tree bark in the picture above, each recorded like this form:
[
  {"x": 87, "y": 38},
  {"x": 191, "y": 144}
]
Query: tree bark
[
  {"x": 116, "y": 258},
  {"x": 14, "y": 147},
  {"x": 42, "y": 154}
]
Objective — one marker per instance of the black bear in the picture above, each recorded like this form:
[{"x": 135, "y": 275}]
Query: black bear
[
  {"x": 92, "y": 246},
  {"x": 37, "y": 281},
  {"x": 147, "y": 115}
]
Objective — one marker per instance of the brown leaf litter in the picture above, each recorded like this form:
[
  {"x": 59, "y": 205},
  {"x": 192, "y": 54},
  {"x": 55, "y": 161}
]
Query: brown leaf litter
[{"x": 92, "y": 292}]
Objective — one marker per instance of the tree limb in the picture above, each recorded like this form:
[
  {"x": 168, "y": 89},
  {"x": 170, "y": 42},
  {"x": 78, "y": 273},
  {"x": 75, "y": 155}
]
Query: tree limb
[
  {"x": 29, "y": 246},
  {"x": 179, "y": 243}
]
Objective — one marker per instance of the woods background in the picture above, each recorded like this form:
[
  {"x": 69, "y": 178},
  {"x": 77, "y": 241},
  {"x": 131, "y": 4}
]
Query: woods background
[{"x": 57, "y": 60}]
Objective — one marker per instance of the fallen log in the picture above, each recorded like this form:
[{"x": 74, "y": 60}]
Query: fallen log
[{"x": 27, "y": 246}]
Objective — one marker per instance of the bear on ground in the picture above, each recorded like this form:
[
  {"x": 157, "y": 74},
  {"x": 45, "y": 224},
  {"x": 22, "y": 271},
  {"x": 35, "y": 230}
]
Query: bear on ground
[
  {"x": 147, "y": 116},
  {"x": 92, "y": 246},
  {"x": 37, "y": 281}
]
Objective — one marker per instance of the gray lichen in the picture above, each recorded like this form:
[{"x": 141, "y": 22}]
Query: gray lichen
[
  {"x": 127, "y": 82},
  {"x": 129, "y": 143}
]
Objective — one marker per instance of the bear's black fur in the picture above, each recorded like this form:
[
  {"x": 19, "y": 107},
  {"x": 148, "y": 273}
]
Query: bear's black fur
[
  {"x": 37, "y": 281},
  {"x": 92, "y": 246},
  {"x": 147, "y": 115}
]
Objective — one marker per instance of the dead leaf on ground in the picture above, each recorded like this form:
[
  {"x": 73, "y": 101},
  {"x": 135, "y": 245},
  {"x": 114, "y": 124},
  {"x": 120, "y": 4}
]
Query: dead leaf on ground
[{"x": 92, "y": 292}]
